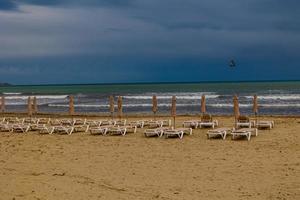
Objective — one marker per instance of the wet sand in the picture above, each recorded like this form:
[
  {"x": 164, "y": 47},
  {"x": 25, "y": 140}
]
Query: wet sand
[{"x": 81, "y": 166}]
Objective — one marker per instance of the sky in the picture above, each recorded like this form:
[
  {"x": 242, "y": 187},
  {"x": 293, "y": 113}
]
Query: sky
[{"x": 116, "y": 41}]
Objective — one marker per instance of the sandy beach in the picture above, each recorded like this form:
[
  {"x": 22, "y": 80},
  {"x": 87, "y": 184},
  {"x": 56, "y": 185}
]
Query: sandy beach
[{"x": 82, "y": 166}]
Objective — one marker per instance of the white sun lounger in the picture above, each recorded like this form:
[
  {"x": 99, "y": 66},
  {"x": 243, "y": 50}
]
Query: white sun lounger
[
  {"x": 154, "y": 132},
  {"x": 98, "y": 130},
  {"x": 44, "y": 121},
  {"x": 155, "y": 124},
  {"x": 121, "y": 122},
  {"x": 211, "y": 124},
  {"x": 93, "y": 123},
  {"x": 79, "y": 122},
  {"x": 46, "y": 129},
  {"x": 108, "y": 122},
  {"x": 190, "y": 124},
  {"x": 20, "y": 128},
  {"x": 118, "y": 130},
  {"x": 81, "y": 128},
  {"x": 173, "y": 132},
  {"x": 138, "y": 124},
  {"x": 265, "y": 124},
  {"x": 67, "y": 122},
  {"x": 218, "y": 132},
  {"x": 244, "y": 132},
  {"x": 5, "y": 127},
  {"x": 63, "y": 129}
]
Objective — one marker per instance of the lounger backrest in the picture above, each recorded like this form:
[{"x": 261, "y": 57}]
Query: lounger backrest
[
  {"x": 206, "y": 118},
  {"x": 243, "y": 119}
]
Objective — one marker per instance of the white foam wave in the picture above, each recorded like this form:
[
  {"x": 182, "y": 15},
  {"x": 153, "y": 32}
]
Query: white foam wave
[
  {"x": 25, "y": 97},
  {"x": 277, "y": 97},
  {"x": 224, "y": 105},
  {"x": 145, "y": 97},
  {"x": 12, "y": 93}
]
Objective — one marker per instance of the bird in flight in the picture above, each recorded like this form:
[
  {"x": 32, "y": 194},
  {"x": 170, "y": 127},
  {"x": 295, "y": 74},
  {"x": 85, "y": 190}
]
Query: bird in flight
[{"x": 231, "y": 63}]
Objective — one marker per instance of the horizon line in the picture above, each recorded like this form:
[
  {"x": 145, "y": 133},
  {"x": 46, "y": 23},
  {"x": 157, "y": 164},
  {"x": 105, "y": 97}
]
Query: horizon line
[{"x": 151, "y": 83}]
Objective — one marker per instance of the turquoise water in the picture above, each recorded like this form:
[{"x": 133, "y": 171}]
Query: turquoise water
[{"x": 280, "y": 98}]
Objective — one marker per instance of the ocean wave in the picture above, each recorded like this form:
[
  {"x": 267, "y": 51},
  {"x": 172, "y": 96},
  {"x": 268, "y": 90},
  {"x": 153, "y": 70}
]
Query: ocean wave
[
  {"x": 224, "y": 105},
  {"x": 144, "y": 97},
  {"x": 11, "y": 93},
  {"x": 25, "y": 97},
  {"x": 277, "y": 97}
]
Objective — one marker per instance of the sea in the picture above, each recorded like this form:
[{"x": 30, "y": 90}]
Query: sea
[{"x": 274, "y": 97}]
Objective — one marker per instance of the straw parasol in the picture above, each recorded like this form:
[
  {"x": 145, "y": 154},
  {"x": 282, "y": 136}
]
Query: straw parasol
[
  {"x": 71, "y": 105},
  {"x": 154, "y": 105},
  {"x": 112, "y": 106},
  {"x": 35, "y": 109},
  {"x": 236, "y": 107},
  {"x": 120, "y": 107},
  {"x": 203, "y": 104},
  {"x": 2, "y": 104},
  {"x": 173, "y": 109},
  {"x": 29, "y": 106},
  {"x": 255, "y": 106}
]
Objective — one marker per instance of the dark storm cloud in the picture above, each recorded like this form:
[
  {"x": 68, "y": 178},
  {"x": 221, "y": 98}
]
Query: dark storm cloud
[{"x": 140, "y": 39}]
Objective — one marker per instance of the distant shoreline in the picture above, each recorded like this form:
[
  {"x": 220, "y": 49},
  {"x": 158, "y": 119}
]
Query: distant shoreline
[{"x": 150, "y": 83}]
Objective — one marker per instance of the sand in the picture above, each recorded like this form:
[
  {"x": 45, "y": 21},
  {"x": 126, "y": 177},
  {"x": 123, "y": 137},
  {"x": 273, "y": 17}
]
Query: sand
[{"x": 81, "y": 166}]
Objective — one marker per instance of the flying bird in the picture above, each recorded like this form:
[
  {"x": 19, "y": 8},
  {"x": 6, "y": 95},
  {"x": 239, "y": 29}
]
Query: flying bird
[{"x": 231, "y": 63}]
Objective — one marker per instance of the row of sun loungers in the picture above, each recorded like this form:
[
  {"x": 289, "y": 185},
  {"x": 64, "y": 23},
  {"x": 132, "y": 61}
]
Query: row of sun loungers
[
  {"x": 168, "y": 132},
  {"x": 236, "y": 133}
]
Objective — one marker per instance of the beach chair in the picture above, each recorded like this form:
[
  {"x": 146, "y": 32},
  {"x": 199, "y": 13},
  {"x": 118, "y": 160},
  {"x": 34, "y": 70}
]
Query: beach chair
[
  {"x": 29, "y": 120},
  {"x": 46, "y": 129},
  {"x": 36, "y": 127},
  {"x": 2, "y": 119},
  {"x": 14, "y": 120},
  {"x": 5, "y": 127},
  {"x": 248, "y": 132},
  {"x": 108, "y": 122},
  {"x": 265, "y": 124},
  {"x": 244, "y": 122},
  {"x": 81, "y": 128},
  {"x": 166, "y": 123},
  {"x": 138, "y": 124},
  {"x": 154, "y": 132},
  {"x": 67, "y": 122},
  {"x": 79, "y": 122},
  {"x": 117, "y": 130},
  {"x": 155, "y": 124},
  {"x": 93, "y": 123},
  {"x": 173, "y": 133},
  {"x": 98, "y": 130},
  {"x": 121, "y": 122},
  {"x": 55, "y": 122},
  {"x": 207, "y": 121},
  {"x": 190, "y": 124},
  {"x": 23, "y": 128},
  {"x": 219, "y": 132},
  {"x": 63, "y": 129},
  {"x": 44, "y": 121}
]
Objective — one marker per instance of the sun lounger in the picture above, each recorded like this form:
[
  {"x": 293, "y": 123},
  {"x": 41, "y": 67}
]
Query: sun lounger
[
  {"x": 5, "y": 127},
  {"x": 29, "y": 120},
  {"x": 93, "y": 123},
  {"x": 265, "y": 124},
  {"x": 219, "y": 132},
  {"x": 81, "y": 128},
  {"x": 244, "y": 132},
  {"x": 67, "y": 122},
  {"x": 121, "y": 122},
  {"x": 138, "y": 124},
  {"x": 190, "y": 124},
  {"x": 46, "y": 129},
  {"x": 98, "y": 130},
  {"x": 207, "y": 121},
  {"x": 117, "y": 130},
  {"x": 173, "y": 132},
  {"x": 44, "y": 121},
  {"x": 63, "y": 129},
  {"x": 36, "y": 127},
  {"x": 155, "y": 124},
  {"x": 166, "y": 123},
  {"x": 79, "y": 122},
  {"x": 14, "y": 120},
  {"x": 20, "y": 128},
  {"x": 55, "y": 122},
  {"x": 154, "y": 132},
  {"x": 244, "y": 122},
  {"x": 108, "y": 122}
]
